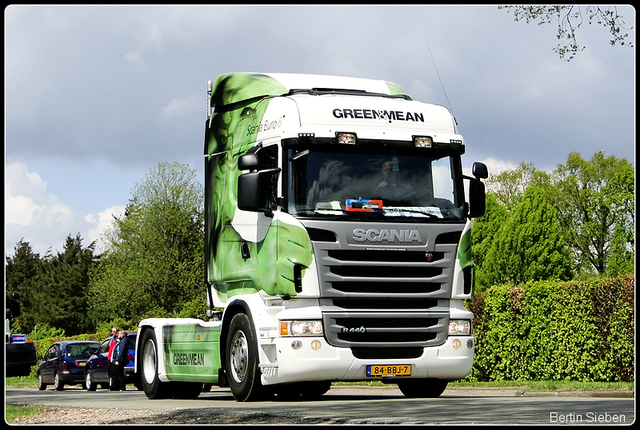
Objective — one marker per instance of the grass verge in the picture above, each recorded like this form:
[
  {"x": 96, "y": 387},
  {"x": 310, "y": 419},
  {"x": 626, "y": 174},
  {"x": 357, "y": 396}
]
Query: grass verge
[{"x": 17, "y": 411}]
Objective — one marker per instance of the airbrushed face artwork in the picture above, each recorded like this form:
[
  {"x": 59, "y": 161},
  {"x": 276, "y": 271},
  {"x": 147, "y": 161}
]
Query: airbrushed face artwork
[{"x": 279, "y": 243}]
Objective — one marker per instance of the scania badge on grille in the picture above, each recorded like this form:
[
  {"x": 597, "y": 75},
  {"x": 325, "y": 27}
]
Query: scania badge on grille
[{"x": 386, "y": 235}]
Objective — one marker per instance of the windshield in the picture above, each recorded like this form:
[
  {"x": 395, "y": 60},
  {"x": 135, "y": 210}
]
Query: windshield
[{"x": 355, "y": 181}]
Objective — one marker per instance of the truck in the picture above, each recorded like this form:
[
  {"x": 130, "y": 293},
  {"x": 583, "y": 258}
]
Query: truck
[
  {"x": 20, "y": 353},
  {"x": 337, "y": 244}
]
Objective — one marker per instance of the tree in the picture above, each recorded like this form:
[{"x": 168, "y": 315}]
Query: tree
[
  {"x": 570, "y": 19},
  {"x": 22, "y": 270},
  {"x": 509, "y": 186},
  {"x": 529, "y": 245},
  {"x": 595, "y": 203},
  {"x": 483, "y": 235},
  {"x": 62, "y": 296},
  {"x": 154, "y": 259},
  {"x": 53, "y": 289}
]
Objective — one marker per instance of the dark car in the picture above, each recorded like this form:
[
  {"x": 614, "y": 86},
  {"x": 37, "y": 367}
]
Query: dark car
[
  {"x": 64, "y": 363},
  {"x": 96, "y": 371}
]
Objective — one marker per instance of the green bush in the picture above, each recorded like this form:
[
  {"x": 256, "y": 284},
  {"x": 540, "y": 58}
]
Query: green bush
[{"x": 578, "y": 331}]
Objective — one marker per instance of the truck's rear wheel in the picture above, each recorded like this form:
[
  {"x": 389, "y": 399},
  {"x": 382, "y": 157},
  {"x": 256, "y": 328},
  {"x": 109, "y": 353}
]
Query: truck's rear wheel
[
  {"x": 422, "y": 388},
  {"x": 152, "y": 386},
  {"x": 242, "y": 360}
]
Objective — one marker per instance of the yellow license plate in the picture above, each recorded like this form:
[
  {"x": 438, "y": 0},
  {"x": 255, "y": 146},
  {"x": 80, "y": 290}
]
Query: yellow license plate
[{"x": 389, "y": 370}]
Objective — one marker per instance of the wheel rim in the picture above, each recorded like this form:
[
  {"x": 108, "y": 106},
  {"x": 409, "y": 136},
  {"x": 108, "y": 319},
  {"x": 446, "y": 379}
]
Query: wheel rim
[
  {"x": 239, "y": 355},
  {"x": 56, "y": 380},
  {"x": 149, "y": 362},
  {"x": 88, "y": 381},
  {"x": 40, "y": 380}
]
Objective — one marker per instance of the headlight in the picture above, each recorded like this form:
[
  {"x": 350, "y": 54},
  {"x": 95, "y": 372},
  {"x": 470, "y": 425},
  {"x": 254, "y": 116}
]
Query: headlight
[
  {"x": 301, "y": 328},
  {"x": 459, "y": 328},
  {"x": 422, "y": 142},
  {"x": 346, "y": 138}
]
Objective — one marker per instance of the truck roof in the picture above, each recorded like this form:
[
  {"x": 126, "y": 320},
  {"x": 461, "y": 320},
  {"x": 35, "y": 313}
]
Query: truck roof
[{"x": 237, "y": 87}]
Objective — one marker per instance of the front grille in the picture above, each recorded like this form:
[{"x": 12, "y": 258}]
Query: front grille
[
  {"x": 377, "y": 296},
  {"x": 385, "y": 329}
]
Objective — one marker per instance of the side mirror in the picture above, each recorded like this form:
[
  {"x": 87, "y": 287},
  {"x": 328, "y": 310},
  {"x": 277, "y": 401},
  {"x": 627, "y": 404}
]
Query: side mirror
[
  {"x": 256, "y": 191},
  {"x": 477, "y": 195},
  {"x": 480, "y": 170},
  {"x": 248, "y": 161},
  {"x": 250, "y": 188}
]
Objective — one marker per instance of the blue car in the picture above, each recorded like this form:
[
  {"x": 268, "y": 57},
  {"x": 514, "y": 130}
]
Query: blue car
[
  {"x": 96, "y": 372},
  {"x": 64, "y": 363}
]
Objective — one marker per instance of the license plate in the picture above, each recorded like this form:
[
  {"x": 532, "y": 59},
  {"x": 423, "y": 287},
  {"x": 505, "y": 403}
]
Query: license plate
[{"x": 389, "y": 370}]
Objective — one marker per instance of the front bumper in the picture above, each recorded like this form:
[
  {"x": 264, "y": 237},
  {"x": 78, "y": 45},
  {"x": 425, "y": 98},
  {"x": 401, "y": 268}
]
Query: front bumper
[{"x": 339, "y": 364}]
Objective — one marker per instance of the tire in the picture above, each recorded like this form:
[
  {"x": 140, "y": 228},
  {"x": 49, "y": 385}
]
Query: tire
[
  {"x": 41, "y": 385},
  {"x": 305, "y": 390},
  {"x": 152, "y": 386},
  {"x": 186, "y": 390},
  {"x": 57, "y": 382},
  {"x": 89, "y": 383},
  {"x": 241, "y": 360},
  {"x": 315, "y": 389},
  {"x": 422, "y": 388}
]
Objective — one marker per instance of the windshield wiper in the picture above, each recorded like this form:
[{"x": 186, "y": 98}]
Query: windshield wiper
[{"x": 414, "y": 211}]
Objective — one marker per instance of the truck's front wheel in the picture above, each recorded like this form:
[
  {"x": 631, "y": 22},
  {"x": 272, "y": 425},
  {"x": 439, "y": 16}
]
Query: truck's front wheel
[
  {"x": 422, "y": 388},
  {"x": 152, "y": 386},
  {"x": 242, "y": 360}
]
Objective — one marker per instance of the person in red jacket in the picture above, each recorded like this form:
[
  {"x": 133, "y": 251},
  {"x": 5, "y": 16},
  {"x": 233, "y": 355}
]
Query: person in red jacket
[{"x": 112, "y": 370}]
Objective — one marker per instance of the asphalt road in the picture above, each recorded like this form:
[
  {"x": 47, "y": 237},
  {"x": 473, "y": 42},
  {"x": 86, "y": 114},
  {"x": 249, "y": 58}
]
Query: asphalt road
[{"x": 371, "y": 405}]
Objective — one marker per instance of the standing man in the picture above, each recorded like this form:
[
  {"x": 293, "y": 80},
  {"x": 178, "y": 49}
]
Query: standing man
[
  {"x": 112, "y": 371},
  {"x": 121, "y": 359}
]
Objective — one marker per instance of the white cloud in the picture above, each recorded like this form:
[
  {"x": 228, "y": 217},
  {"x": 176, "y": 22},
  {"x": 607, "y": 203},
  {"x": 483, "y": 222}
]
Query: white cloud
[
  {"x": 101, "y": 222},
  {"x": 178, "y": 108},
  {"x": 497, "y": 166},
  {"x": 40, "y": 218},
  {"x": 19, "y": 209}
]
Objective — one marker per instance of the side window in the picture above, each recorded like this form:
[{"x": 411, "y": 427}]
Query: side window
[
  {"x": 442, "y": 179},
  {"x": 104, "y": 347},
  {"x": 132, "y": 342},
  {"x": 268, "y": 159}
]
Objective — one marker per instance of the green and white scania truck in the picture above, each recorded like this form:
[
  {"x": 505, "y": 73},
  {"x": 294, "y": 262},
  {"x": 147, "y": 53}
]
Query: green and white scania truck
[{"x": 337, "y": 244}]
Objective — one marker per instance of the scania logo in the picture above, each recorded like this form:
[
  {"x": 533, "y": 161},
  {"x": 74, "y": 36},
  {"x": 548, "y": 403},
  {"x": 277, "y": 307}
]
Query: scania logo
[{"x": 386, "y": 235}]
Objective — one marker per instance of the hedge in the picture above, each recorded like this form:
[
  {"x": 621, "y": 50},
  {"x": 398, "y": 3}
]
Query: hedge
[{"x": 578, "y": 331}]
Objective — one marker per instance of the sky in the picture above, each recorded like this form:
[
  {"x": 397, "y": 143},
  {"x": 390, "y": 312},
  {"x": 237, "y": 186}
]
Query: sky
[{"x": 97, "y": 96}]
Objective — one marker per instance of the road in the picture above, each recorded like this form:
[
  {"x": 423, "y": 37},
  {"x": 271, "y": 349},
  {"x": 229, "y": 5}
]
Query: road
[{"x": 368, "y": 405}]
